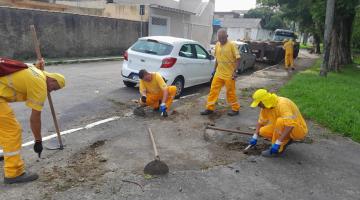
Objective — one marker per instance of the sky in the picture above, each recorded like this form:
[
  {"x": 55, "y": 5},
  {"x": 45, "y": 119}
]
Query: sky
[{"x": 228, "y": 5}]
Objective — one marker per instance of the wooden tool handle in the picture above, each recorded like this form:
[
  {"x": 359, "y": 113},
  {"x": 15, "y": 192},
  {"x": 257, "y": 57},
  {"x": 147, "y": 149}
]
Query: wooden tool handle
[
  {"x": 229, "y": 130},
  {"x": 55, "y": 121},
  {"x": 38, "y": 55},
  {"x": 36, "y": 44},
  {"x": 153, "y": 143}
]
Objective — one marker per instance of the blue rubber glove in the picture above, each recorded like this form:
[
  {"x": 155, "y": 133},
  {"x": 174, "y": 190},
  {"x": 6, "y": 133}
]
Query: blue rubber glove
[
  {"x": 253, "y": 140},
  {"x": 275, "y": 147},
  {"x": 163, "y": 107}
]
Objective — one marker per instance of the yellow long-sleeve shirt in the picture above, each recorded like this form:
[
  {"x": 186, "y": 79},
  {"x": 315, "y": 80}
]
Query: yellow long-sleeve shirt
[
  {"x": 226, "y": 56},
  {"x": 155, "y": 86},
  {"x": 285, "y": 109},
  {"x": 27, "y": 85}
]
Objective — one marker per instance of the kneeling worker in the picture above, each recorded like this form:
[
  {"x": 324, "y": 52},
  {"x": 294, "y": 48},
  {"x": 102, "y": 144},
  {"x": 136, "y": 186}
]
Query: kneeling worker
[
  {"x": 29, "y": 85},
  {"x": 155, "y": 93},
  {"x": 280, "y": 121}
]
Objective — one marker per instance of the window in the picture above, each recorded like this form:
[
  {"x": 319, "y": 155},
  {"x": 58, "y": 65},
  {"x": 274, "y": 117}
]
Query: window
[
  {"x": 244, "y": 48},
  {"x": 186, "y": 51},
  {"x": 158, "y": 21},
  {"x": 200, "y": 52},
  {"x": 152, "y": 47}
]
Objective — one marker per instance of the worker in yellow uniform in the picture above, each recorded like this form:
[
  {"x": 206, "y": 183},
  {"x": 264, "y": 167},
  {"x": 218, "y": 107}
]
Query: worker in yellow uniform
[
  {"x": 155, "y": 93},
  {"x": 289, "y": 54},
  {"x": 227, "y": 61},
  {"x": 280, "y": 121},
  {"x": 31, "y": 86}
]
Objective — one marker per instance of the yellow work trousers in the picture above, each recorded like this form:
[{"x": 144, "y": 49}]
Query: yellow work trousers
[
  {"x": 289, "y": 60},
  {"x": 273, "y": 132},
  {"x": 153, "y": 100},
  {"x": 10, "y": 141},
  {"x": 216, "y": 86}
]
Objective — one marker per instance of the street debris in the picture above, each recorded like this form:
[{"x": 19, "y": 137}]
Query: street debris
[
  {"x": 133, "y": 182},
  {"x": 139, "y": 111}
]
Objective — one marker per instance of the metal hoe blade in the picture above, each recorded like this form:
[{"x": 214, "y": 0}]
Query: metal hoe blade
[
  {"x": 156, "y": 167},
  {"x": 53, "y": 144}
]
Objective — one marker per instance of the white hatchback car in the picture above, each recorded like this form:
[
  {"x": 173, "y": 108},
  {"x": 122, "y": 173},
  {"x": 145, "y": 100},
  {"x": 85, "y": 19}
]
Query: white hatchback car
[{"x": 181, "y": 62}]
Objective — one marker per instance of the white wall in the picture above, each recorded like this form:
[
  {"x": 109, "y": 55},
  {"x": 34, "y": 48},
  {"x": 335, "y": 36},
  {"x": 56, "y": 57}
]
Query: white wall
[
  {"x": 264, "y": 34},
  {"x": 255, "y": 34},
  {"x": 195, "y": 27}
]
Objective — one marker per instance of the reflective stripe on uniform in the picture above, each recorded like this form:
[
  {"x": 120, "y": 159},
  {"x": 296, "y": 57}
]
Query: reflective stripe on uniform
[
  {"x": 277, "y": 131},
  {"x": 289, "y": 117},
  {"x": 11, "y": 86},
  {"x": 211, "y": 103},
  {"x": 13, "y": 153},
  {"x": 35, "y": 102}
]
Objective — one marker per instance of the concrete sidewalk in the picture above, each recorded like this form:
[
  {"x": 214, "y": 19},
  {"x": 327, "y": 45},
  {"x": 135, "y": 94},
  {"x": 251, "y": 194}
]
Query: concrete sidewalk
[{"x": 58, "y": 61}]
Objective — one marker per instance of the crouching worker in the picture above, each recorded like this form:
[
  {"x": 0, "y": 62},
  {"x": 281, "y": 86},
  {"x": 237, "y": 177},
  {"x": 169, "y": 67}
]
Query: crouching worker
[
  {"x": 280, "y": 121},
  {"x": 155, "y": 93},
  {"x": 20, "y": 82}
]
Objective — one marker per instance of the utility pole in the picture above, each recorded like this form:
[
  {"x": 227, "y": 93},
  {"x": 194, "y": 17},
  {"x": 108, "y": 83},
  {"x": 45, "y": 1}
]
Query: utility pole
[
  {"x": 329, "y": 22},
  {"x": 142, "y": 13}
]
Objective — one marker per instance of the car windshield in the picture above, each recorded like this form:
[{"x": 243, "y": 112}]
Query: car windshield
[
  {"x": 152, "y": 47},
  {"x": 280, "y": 36}
]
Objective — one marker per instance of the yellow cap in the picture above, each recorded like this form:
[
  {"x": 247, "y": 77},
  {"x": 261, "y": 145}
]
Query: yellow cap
[
  {"x": 58, "y": 77},
  {"x": 258, "y": 95},
  {"x": 261, "y": 95}
]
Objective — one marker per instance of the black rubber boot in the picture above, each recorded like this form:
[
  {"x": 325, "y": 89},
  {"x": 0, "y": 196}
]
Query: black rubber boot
[
  {"x": 164, "y": 114},
  {"x": 24, "y": 178},
  {"x": 206, "y": 112},
  {"x": 233, "y": 113}
]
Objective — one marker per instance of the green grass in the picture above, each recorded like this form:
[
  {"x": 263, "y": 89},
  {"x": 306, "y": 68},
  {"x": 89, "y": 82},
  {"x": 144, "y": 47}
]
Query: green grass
[
  {"x": 304, "y": 46},
  {"x": 357, "y": 59},
  {"x": 333, "y": 101}
]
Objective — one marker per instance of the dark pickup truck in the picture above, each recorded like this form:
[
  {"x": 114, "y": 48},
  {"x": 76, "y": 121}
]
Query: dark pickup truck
[{"x": 272, "y": 51}]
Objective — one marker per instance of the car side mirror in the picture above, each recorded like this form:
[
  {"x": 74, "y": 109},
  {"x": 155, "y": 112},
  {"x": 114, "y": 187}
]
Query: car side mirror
[{"x": 211, "y": 57}]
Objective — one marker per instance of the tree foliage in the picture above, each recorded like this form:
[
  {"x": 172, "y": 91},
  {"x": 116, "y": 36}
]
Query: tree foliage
[
  {"x": 310, "y": 16},
  {"x": 356, "y": 31},
  {"x": 270, "y": 19}
]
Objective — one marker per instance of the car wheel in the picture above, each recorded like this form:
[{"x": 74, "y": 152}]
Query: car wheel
[
  {"x": 279, "y": 55},
  {"x": 179, "y": 84},
  {"x": 129, "y": 84}
]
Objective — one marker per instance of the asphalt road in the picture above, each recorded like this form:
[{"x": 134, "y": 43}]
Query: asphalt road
[
  {"x": 91, "y": 91},
  {"x": 90, "y": 87}
]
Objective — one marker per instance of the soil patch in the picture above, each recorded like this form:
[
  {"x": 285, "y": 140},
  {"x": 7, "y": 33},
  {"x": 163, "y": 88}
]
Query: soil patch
[
  {"x": 83, "y": 168},
  {"x": 240, "y": 146}
]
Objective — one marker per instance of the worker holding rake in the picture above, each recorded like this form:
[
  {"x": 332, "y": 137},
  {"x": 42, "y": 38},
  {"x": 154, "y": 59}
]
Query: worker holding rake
[
  {"x": 21, "y": 82},
  {"x": 155, "y": 93},
  {"x": 280, "y": 121}
]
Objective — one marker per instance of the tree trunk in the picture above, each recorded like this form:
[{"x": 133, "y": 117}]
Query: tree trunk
[
  {"x": 317, "y": 43},
  {"x": 305, "y": 38},
  {"x": 340, "y": 50},
  {"x": 329, "y": 26}
]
